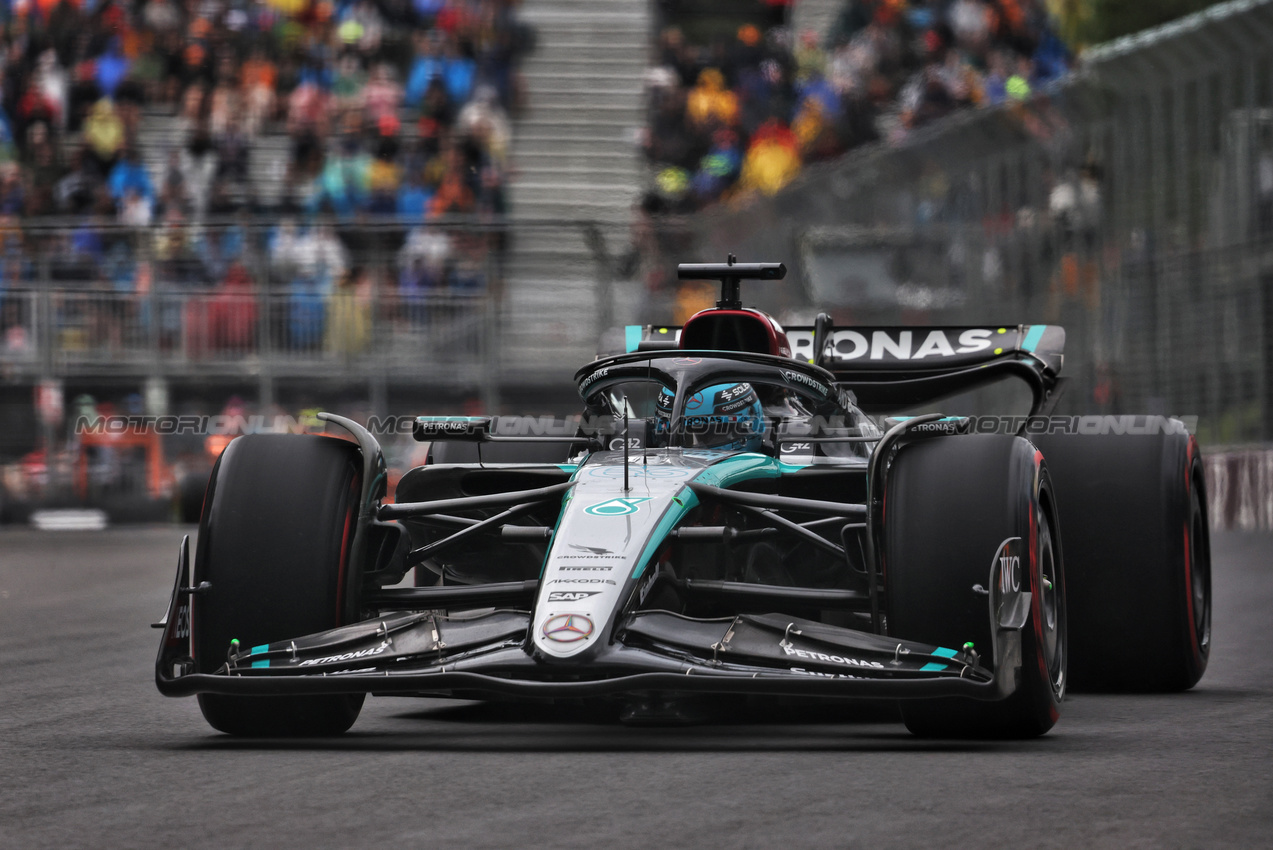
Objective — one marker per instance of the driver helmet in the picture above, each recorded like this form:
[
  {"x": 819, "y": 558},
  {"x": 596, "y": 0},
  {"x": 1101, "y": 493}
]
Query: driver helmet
[{"x": 723, "y": 417}]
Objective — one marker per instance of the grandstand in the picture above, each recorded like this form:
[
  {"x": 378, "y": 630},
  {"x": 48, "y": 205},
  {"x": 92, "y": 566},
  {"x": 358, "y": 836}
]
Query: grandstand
[
  {"x": 444, "y": 202},
  {"x": 283, "y": 165},
  {"x": 574, "y": 163}
]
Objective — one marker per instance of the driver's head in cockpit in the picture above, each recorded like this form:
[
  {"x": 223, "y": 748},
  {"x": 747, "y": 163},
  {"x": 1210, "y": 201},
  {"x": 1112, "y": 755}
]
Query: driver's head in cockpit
[{"x": 723, "y": 417}]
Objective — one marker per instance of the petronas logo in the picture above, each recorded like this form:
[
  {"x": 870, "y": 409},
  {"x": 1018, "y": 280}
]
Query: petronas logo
[{"x": 615, "y": 507}]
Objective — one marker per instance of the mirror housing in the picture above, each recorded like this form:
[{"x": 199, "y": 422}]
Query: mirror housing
[{"x": 467, "y": 429}]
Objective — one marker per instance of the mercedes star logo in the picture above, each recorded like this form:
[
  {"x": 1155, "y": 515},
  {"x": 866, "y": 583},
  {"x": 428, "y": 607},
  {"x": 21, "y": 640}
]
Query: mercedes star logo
[{"x": 567, "y": 628}]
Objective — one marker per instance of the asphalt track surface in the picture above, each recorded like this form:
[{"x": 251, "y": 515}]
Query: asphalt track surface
[{"x": 92, "y": 756}]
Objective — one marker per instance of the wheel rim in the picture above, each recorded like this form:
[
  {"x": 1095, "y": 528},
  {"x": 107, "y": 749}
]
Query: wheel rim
[{"x": 1051, "y": 606}]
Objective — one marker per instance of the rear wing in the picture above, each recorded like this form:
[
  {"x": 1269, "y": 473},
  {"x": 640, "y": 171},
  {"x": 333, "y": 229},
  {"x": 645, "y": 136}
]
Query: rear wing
[{"x": 888, "y": 367}]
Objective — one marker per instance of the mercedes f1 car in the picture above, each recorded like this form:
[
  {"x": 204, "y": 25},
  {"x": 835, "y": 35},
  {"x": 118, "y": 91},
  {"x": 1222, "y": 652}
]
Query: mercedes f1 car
[{"x": 726, "y": 517}]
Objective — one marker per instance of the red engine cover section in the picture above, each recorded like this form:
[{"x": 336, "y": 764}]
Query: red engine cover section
[{"x": 735, "y": 330}]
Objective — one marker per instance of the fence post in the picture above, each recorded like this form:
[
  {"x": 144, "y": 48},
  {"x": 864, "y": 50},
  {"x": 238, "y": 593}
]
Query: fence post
[
  {"x": 45, "y": 342},
  {"x": 488, "y": 336},
  {"x": 378, "y": 354},
  {"x": 153, "y": 306},
  {"x": 264, "y": 340},
  {"x": 42, "y": 322}
]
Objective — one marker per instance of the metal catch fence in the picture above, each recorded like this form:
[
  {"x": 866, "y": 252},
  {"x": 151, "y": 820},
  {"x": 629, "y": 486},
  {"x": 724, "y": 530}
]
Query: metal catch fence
[{"x": 1131, "y": 203}]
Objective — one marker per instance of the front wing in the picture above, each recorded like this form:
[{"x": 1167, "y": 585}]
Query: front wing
[{"x": 431, "y": 654}]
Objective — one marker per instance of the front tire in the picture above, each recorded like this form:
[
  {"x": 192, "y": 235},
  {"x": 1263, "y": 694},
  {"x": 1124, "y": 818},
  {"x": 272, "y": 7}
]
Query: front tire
[
  {"x": 274, "y": 543},
  {"x": 950, "y": 503},
  {"x": 1139, "y": 552}
]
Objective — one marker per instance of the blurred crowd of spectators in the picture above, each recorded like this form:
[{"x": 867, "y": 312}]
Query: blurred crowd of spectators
[
  {"x": 745, "y": 114},
  {"x": 393, "y": 113}
]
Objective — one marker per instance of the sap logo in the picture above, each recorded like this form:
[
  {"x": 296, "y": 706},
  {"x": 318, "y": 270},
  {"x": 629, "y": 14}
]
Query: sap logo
[{"x": 571, "y": 595}]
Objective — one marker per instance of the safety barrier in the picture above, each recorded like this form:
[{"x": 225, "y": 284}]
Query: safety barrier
[
  {"x": 230, "y": 333},
  {"x": 1240, "y": 489}
]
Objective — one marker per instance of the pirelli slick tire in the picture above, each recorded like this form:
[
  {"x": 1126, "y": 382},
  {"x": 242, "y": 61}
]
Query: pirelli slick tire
[
  {"x": 190, "y": 491},
  {"x": 1138, "y": 552},
  {"x": 274, "y": 542},
  {"x": 950, "y": 503}
]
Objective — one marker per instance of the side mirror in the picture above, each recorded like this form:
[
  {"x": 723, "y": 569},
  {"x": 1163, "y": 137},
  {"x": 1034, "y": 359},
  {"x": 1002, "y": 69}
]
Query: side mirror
[{"x": 822, "y": 328}]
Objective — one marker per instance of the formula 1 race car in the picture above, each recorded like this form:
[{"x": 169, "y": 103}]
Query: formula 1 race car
[{"x": 725, "y": 517}]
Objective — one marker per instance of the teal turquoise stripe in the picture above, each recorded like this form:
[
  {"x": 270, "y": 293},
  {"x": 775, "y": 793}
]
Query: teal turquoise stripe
[
  {"x": 724, "y": 473},
  {"x": 738, "y": 468},
  {"x": 631, "y": 337},
  {"x": 1033, "y": 337},
  {"x": 930, "y": 667},
  {"x": 265, "y": 663},
  {"x": 943, "y": 652},
  {"x": 257, "y": 650},
  {"x": 787, "y": 468},
  {"x": 574, "y": 476},
  {"x": 682, "y": 503}
]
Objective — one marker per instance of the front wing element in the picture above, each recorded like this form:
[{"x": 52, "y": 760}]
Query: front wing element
[{"x": 428, "y": 653}]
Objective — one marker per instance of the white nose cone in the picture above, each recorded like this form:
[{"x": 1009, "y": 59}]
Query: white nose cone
[{"x": 605, "y": 534}]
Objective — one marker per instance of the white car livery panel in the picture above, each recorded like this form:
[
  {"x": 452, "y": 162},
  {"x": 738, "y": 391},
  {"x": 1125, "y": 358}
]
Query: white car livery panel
[{"x": 607, "y": 535}]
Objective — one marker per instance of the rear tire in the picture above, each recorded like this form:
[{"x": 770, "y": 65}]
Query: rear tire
[
  {"x": 274, "y": 541},
  {"x": 950, "y": 503},
  {"x": 1139, "y": 555}
]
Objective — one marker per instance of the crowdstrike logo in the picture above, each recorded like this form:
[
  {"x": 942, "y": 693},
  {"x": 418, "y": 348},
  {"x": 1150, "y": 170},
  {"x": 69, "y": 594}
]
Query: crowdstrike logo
[
  {"x": 595, "y": 376},
  {"x": 799, "y": 378}
]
